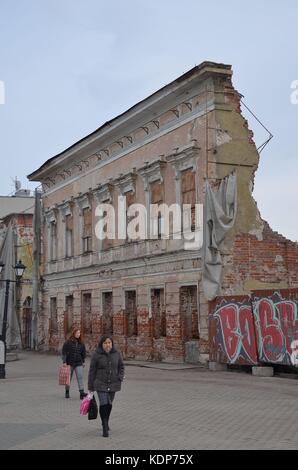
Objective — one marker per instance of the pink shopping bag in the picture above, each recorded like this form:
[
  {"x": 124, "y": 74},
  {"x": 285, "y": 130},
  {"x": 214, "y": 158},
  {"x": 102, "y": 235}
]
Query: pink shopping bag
[
  {"x": 64, "y": 375},
  {"x": 85, "y": 405}
]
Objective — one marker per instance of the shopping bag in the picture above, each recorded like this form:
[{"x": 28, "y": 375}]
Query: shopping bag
[
  {"x": 64, "y": 375},
  {"x": 85, "y": 405},
  {"x": 93, "y": 409}
]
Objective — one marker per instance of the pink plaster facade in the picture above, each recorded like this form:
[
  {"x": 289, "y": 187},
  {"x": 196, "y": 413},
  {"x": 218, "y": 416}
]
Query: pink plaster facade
[{"x": 194, "y": 125}]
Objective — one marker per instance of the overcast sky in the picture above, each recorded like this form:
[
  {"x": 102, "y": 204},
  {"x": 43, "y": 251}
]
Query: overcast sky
[{"x": 70, "y": 65}]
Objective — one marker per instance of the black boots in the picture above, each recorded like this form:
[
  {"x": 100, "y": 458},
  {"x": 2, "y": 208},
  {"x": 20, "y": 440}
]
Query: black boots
[
  {"x": 109, "y": 412},
  {"x": 104, "y": 411},
  {"x": 82, "y": 394},
  {"x": 105, "y": 428}
]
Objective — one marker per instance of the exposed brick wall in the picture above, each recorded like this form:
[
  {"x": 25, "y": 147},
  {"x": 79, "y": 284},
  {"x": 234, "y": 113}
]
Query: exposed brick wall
[
  {"x": 143, "y": 321},
  {"x": 69, "y": 314},
  {"x": 107, "y": 313},
  {"x": 131, "y": 313},
  {"x": 144, "y": 345},
  {"x": 189, "y": 312},
  {"x": 158, "y": 322},
  {"x": 86, "y": 313},
  {"x": 272, "y": 260},
  {"x": 119, "y": 323}
]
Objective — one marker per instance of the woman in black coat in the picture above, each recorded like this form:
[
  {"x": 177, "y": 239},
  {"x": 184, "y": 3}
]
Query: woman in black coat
[
  {"x": 74, "y": 354},
  {"x": 105, "y": 376}
]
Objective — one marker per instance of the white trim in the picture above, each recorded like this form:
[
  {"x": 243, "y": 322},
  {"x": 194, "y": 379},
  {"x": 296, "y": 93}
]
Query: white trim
[
  {"x": 145, "y": 105},
  {"x": 126, "y": 183},
  {"x": 188, "y": 284},
  {"x": 151, "y": 173},
  {"x": 83, "y": 202},
  {"x": 134, "y": 276},
  {"x": 51, "y": 215},
  {"x": 164, "y": 259},
  {"x": 65, "y": 209},
  {"x": 185, "y": 118},
  {"x": 184, "y": 159},
  {"x": 104, "y": 192}
]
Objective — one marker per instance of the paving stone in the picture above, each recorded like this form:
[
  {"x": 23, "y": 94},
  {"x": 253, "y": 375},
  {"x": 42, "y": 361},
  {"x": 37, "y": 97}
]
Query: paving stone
[{"x": 191, "y": 408}]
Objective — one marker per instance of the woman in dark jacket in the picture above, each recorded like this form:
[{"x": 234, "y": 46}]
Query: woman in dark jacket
[
  {"x": 105, "y": 376},
  {"x": 74, "y": 354}
]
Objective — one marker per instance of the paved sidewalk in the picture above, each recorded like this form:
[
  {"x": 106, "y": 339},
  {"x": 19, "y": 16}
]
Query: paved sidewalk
[{"x": 189, "y": 408}]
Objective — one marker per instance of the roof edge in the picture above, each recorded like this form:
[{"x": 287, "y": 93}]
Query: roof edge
[{"x": 205, "y": 68}]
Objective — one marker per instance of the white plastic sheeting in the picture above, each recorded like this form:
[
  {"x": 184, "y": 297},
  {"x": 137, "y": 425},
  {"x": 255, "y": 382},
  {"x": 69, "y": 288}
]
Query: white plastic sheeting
[{"x": 220, "y": 214}]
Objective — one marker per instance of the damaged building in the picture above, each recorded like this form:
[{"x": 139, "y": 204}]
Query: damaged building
[{"x": 186, "y": 143}]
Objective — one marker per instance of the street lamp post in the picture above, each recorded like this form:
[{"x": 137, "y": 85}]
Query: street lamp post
[{"x": 19, "y": 271}]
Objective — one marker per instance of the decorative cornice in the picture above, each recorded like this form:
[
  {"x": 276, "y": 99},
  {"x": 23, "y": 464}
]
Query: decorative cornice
[
  {"x": 102, "y": 158},
  {"x": 66, "y": 209},
  {"x": 126, "y": 183},
  {"x": 152, "y": 172},
  {"x": 184, "y": 158},
  {"x": 51, "y": 215},
  {"x": 83, "y": 202},
  {"x": 104, "y": 192}
]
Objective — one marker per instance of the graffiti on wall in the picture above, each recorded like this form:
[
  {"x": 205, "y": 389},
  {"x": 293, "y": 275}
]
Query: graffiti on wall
[
  {"x": 276, "y": 322},
  {"x": 235, "y": 335},
  {"x": 252, "y": 330}
]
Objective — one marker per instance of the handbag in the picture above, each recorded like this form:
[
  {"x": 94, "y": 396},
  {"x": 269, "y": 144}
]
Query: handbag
[
  {"x": 85, "y": 405},
  {"x": 93, "y": 409},
  {"x": 64, "y": 375}
]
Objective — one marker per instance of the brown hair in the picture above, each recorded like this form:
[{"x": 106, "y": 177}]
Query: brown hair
[{"x": 72, "y": 335}]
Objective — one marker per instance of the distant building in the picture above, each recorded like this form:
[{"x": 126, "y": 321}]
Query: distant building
[{"x": 16, "y": 243}]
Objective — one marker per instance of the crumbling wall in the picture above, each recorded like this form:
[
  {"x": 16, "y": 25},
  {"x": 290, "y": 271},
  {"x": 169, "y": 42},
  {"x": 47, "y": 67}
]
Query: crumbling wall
[{"x": 254, "y": 256}]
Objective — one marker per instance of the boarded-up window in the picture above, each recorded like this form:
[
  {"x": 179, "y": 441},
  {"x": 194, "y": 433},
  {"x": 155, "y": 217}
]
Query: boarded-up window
[
  {"x": 107, "y": 313},
  {"x": 131, "y": 313},
  {"x": 157, "y": 198},
  {"x": 86, "y": 313},
  {"x": 53, "y": 315},
  {"x": 189, "y": 312},
  {"x": 68, "y": 314},
  {"x": 87, "y": 230},
  {"x": 158, "y": 313},
  {"x": 53, "y": 241},
  {"x": 188, "y": 188},
  {"x": 68, "y": 236}
]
